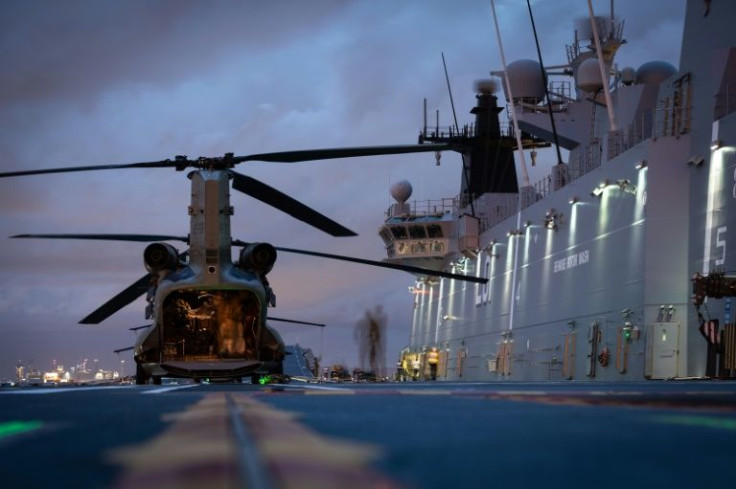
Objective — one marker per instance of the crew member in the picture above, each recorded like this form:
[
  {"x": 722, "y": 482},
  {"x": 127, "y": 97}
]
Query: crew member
[
  {"x": 433, "y": 359},
  {"x": 415, "y": 365}
]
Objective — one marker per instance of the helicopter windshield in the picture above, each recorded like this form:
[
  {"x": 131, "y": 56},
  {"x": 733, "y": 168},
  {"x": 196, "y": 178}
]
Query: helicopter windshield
[{"x": 206, "y": 325}]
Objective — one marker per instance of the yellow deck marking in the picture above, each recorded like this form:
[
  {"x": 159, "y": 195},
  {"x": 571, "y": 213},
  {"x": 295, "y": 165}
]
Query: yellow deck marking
[
  {"x": 194, "y": 451},
  {"x": 198, "y": 450}
]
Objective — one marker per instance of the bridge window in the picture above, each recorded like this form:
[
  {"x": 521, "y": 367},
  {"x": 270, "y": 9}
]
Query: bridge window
[
  {"x": 434, "y": 231},
  {"x": 417, "y": 232},
  {"x": 399, "y": 232}
]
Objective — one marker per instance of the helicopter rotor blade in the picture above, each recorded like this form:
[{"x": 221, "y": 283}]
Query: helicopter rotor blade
[
  {"x": 130, "y": 294},
  {"x": 228, "y": 161},
  {"x": 332, "y": 153},
  {"x": 393, "y": 266},
  {"x": 281, "y": 201},
  {"x": 120, "y": 350},
  {"x": 149, "y": 164},
  {"x": 294, "y": 321},
  {"x": 142, "y": 238}
]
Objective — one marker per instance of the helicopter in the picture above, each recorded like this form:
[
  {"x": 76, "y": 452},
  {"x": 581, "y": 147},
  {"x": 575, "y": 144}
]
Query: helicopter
[{"x": 208, "y": 312}]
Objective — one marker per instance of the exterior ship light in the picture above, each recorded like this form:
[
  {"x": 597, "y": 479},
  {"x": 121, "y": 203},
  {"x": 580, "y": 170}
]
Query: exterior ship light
[
  {"x": 597, "y": 191},
  {"x": 626, "y": 186},
  {"x": 696, "y": 160},
  {"x": 552, "y": 219}
]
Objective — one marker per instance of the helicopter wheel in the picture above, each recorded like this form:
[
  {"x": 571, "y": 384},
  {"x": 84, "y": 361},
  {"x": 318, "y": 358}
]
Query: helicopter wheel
[
  {"x": 156, "y": 380},
  {"x": 140, "y": 376}
]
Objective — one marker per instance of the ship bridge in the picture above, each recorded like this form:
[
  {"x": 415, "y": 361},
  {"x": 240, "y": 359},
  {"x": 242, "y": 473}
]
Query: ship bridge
[{"x": 423, "y": 234}]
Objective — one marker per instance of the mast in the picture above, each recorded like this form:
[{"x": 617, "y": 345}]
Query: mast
[{"x": 602, "y": 66}]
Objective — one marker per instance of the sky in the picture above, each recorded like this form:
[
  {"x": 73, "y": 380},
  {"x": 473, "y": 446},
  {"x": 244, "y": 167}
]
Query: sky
[{"x": 105, "y": 82}]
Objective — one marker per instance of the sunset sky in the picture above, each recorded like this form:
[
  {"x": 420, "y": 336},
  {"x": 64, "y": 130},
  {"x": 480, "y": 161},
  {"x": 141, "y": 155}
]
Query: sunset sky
[{"x": 105, "y": 82}]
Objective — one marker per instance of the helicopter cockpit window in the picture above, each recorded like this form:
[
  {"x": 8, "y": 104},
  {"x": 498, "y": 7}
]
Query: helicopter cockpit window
[{"x": 210, "y": 325}]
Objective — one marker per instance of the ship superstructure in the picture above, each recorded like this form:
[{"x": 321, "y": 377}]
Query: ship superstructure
[{"x": 590, "y": 270}]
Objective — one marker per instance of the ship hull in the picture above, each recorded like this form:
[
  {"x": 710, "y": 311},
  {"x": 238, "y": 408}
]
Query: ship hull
[{"x": 592, "y": 279}]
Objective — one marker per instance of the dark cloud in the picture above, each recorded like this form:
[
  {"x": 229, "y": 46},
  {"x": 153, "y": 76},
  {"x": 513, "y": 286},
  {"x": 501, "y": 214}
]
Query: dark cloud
[{"x": 74, "y": 49}]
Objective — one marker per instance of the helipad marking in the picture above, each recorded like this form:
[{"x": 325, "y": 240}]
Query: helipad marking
[
  {"x": 699, "y": 421},
  {"x": 61, "y": 390},
  {"x": 315, "y": 387},
  {"x": 15, "y": 427},
  {"x": 424, "y": 392},
  {"x": 161, "y": 390},
  {"x": 198, "y": 449}
]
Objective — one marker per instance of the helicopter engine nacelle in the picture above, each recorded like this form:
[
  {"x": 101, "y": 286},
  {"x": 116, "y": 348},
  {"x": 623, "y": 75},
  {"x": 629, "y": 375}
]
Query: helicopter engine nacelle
[
  {"x": 160, "y": 256},
  {"x": 258, "y": 258}
]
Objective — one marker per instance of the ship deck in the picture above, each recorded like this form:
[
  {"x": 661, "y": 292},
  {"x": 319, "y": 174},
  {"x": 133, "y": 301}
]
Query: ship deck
[{"x": 411, "y": 434}]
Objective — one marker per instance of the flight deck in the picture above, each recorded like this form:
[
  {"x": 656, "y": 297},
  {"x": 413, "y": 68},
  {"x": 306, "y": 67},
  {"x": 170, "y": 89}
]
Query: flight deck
[{"x": 390, "y": 435}]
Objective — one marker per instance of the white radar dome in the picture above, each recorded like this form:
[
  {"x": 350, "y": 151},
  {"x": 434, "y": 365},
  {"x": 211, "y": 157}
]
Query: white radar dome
[
  {"x": 589, "y": 76},
  {"x": 526, "y": 80},
  {"x": 654, "y": 72},
  {"x": 628, "y": 75},
  {"x": 401, "y": 191}
]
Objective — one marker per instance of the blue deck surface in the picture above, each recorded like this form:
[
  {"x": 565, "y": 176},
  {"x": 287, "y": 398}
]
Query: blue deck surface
[{"x": 572, "y": 434}]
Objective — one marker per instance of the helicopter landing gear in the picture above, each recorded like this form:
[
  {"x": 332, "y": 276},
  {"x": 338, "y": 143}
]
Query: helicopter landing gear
[
  {"x": 140, "y": 376},
  {"x": 156, "y": 380}
]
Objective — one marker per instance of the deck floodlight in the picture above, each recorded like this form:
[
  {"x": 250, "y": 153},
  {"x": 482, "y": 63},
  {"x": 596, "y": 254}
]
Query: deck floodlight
[
  {"x": 626, "y": 186},
  {"x": 696, "y": 160},
  {"x": 597, "y": 191},
  {"x": 552, "y": 219}
]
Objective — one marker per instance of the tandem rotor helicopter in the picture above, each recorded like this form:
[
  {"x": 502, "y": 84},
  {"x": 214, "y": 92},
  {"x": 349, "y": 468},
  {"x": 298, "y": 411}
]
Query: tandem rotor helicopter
[{"x": 209, "y": 313}]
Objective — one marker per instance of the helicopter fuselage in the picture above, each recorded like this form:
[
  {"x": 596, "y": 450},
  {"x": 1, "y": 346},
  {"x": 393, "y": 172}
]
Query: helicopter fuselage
[{"x": 209, "y": 314}]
